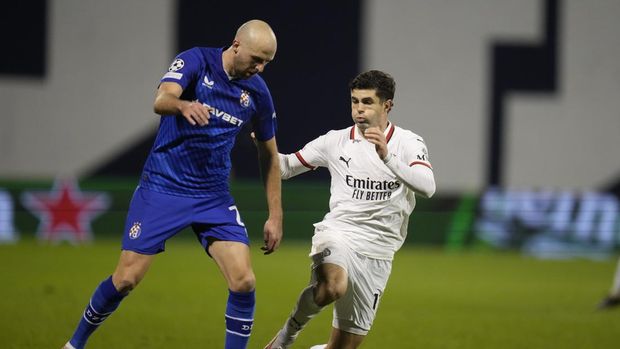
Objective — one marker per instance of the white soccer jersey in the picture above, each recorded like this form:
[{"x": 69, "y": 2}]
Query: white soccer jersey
[{"x": 369, "y": 204}]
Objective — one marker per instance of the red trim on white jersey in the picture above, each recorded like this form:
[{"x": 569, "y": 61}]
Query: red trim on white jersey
[
  {"x": 390, "y": 133},
  {"x": 421, "y": 163},
  {"x": 303, "y": 161},
  {"x": 352, "y": 133}
]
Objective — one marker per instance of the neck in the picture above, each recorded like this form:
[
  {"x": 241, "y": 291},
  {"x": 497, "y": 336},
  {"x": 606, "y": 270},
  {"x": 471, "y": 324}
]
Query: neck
[
  {"x": 383, "y": 125},
  {"x": 227, "y": 58}
]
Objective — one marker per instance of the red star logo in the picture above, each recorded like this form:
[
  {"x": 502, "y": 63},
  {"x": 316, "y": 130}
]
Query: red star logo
[{"x": 65, "y": 212}]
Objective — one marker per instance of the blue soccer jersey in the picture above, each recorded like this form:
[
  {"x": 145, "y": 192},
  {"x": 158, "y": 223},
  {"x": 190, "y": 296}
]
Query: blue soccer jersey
[{"x": 194, "y": 161}]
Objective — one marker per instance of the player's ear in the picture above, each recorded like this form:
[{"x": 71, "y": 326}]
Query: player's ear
[
  {"x": 235, "y": 45},
  {"x": 387, "y": 105}
]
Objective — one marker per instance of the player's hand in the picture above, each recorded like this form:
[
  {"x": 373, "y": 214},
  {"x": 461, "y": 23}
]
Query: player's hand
[
  {"x": 195, "y": 113},
  {"x": 376, "y": 137},
  {"x": 253, "y": 137},
  {"x": 272, "y": 233}
]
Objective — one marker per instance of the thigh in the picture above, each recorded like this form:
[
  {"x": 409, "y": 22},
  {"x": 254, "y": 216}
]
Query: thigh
[
  {"x": 152, "y": 219},
  {"x": 331, "y": 274},
  {"x": 327, "y": 250},
  {"x": 356, "y": 311},
  {"x": 330, "y": 271},
  {"x": 233, "y": 260}
]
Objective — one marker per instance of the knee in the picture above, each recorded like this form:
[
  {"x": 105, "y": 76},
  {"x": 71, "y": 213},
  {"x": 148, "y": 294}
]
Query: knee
[
  {"x": 243, "y": 283},
  {"x": 326, "y": 293},
  {"x": 130, "y": 270},
  {"x": 125, "y": 283}
]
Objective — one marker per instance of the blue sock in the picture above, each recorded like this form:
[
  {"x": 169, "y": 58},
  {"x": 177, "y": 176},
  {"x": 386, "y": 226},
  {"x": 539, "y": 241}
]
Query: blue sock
[
  {"x": 239, "y": 319},
  {"x": 103, "y": 302}
]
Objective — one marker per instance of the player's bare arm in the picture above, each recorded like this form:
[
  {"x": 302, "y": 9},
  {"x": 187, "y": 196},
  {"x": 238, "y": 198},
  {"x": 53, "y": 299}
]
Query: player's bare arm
[
  {"x": 270, "y": 169},
  {"x": 167, "y": 102},
  {"x": 290, "y": 166},
  {"x": 376, "y": 137}
]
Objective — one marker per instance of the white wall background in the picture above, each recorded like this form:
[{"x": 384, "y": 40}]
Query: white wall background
[
  {"x": 105, "y": 61},
  {"x": 438, "y": 53},
  {"x": 106, "y": 58}
]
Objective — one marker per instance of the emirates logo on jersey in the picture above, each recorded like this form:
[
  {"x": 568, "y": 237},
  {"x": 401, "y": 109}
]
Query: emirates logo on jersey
[
  {"x": 371, "y": 184},
  {"x": 371, "y": 190}
]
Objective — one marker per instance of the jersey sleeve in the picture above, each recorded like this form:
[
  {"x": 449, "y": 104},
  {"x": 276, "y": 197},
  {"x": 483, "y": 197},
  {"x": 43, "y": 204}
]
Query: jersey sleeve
[
  {"x": 314, "y": 154},
  {"x": 184, "y": 68},
  {"x": 265, "y": 122},
  {"x": 311, "y": 156},
  {"x": 416, "y": 152},
  {"x": 413, "y": 167}
]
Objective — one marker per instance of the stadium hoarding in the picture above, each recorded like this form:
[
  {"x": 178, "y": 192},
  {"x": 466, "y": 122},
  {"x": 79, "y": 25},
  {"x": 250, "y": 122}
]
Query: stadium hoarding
[
  {"x": 8, "y": 233},
  {"x": 305, "y": 203},
  {"x": 549, "y": 223},
  {"x": 543, "y": 223}
]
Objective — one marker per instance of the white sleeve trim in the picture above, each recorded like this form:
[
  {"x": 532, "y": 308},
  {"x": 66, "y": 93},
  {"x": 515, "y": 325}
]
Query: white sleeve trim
[{"x": 291, "y": 166}]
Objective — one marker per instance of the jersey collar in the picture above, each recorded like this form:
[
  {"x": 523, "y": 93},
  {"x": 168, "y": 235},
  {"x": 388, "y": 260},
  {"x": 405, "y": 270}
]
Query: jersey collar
[
  {"x": 356, "y": 134},
  {"x": 219, "y": 64}
]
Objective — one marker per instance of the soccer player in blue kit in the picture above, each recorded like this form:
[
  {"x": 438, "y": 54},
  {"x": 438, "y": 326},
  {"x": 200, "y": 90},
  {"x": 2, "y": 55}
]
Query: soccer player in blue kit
[{"x": 205, "y": 98}]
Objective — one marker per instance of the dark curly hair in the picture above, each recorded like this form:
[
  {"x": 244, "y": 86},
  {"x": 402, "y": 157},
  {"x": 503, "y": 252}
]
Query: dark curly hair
[{"x": 377, "y": 80}]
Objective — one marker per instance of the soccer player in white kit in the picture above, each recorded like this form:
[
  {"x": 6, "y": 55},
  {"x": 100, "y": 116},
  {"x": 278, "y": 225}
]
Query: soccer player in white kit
[{"x": 376, "y": 169}]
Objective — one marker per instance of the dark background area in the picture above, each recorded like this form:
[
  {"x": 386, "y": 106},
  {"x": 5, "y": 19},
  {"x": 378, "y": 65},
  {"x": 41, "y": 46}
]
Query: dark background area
[
  {"x": 318, "y": 54},
  {"x": 24, "y": 41}
]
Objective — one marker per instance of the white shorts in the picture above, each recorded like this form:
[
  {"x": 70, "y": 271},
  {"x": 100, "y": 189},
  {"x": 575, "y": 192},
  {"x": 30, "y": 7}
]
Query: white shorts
[{"x": 355, "y": 311}]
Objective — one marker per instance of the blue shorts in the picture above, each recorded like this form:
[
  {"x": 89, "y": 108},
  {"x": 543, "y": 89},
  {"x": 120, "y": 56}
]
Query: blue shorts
[{"x": 155, "y": 217}]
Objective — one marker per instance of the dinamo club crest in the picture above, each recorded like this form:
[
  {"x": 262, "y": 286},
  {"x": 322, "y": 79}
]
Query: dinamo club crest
[
  {"x": 245, "y": 98},
  {"x": 135, "y": 230}
]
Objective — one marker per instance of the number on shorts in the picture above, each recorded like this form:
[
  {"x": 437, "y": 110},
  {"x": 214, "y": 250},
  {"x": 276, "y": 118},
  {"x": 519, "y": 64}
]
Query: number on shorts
[
  {"x": 374, "y": 304},
  {"x": 234, "y": 208}
]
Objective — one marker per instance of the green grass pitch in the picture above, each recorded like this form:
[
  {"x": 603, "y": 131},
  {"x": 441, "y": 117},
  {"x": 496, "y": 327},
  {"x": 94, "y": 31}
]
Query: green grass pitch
[{"x": 434, "y": 299}]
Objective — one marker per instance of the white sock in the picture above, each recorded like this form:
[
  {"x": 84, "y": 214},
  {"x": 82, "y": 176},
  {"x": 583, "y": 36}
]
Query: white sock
[
  {"x": 305, "y": 310},
  {"x": 615, "y": 288}
]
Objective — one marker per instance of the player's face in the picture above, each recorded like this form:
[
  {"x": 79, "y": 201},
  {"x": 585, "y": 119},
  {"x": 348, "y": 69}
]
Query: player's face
[
  {"x": 251, "y": 59},
  {"x": 368, "y": 110}
]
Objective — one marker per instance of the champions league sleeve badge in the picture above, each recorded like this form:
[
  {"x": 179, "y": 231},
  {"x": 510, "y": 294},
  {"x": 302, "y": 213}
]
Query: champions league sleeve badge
[
  {"x": 244, "y": 100},
  {"x": 176, "y": 65}
]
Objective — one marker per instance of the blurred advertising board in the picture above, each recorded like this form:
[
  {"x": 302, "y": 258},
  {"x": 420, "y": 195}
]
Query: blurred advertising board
[
  {"x": 549, "y": 223},
  {"x": 543, "y": 223},
  {"x": 8, "y": 233}
]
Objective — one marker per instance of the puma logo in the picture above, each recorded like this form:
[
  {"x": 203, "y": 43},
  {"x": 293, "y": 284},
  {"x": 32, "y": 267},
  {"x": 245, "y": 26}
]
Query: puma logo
[{"x": 345, "y": 161}]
